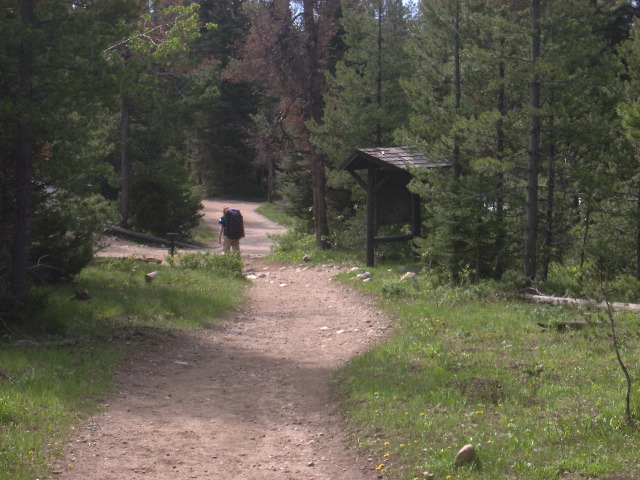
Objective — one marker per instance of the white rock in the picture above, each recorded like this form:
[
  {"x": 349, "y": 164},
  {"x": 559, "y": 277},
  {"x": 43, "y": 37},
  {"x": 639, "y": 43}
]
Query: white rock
[
  {"x": 407, "y": 276},
  {"x": 465, "y": 456}
]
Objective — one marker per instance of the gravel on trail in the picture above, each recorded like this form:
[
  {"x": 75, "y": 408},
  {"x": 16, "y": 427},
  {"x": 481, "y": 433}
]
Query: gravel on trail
[{"x": 248, "y": 399}]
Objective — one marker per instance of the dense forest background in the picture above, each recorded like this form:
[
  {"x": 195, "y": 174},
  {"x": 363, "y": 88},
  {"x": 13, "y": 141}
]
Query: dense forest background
[{"x": 129, "y": 112}]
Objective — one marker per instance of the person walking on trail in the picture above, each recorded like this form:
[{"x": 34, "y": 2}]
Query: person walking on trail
[{"x": 231, "y": 229}]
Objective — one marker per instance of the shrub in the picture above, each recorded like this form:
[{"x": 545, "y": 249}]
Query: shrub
[
  {"x": 162, "y": 199},
  {"x": 63, "y": 235},
  {"x": 624, "y": 288},
  {"x": 395, "y": 288},
  {"x": 564, "y": 280},
  {"x": 294, "y": 239}
]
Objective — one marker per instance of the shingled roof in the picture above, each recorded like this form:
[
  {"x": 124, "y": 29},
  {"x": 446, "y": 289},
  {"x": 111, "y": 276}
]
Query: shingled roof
[{"x": 388, "y": 157}]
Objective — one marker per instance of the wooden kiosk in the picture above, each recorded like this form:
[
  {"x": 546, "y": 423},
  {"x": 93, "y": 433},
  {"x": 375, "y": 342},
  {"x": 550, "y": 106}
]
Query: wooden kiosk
[{"x": 389, "y": 201}]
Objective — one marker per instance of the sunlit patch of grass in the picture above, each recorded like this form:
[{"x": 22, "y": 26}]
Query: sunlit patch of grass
[
  {"x": 45, "y": 386},
  {"x": 473, "y": 366},
  {"x": 275, "y": 213},
  {"x": 205, "y": 235}
]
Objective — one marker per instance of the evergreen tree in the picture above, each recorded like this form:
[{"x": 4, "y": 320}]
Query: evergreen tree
[
  {"x": 286, "y": 56},
  {"x": 150, "y": 59},
  {"x": 53, "y": 79},
  {"x": 472, "y": 107},
  {"x": 465, "y": 112},
  {"x": 221, "y": 154},
  {"x": 365, "y": 103},
  {"x": 580, "y": 147}
]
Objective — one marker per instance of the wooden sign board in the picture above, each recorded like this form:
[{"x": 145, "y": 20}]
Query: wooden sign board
[{"x": 393, "y": 200}]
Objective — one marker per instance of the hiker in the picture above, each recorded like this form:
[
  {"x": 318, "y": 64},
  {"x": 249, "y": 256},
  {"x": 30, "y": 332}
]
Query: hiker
[{"x": 231, "y": 228}]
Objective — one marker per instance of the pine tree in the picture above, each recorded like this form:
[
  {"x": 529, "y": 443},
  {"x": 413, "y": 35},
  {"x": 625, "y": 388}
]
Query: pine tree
[
  {"x": 149, "y": 58},
  {"x": 477, "y": 120},
  {"x": 365, "y": 103},
  {"x": 221, "y": 154},
  {"x": 285, "y": 57},
  {"x": 55, "y": 79},
  {"x": 465, "y": 112}
]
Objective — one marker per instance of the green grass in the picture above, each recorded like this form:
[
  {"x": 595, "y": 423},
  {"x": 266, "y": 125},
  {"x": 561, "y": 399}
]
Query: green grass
[
  {"x": 205, "y": 235},
  {"x": 49, "y": 381},
  {"x": 473, "y": 366},
  {"x": 275, "y": 213},
  {"x": 294, "y": 244}
]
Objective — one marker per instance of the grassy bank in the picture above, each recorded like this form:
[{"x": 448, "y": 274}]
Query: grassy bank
[
  {"x": 50, "y": 379},
  {"x": 473, "y": 366}
]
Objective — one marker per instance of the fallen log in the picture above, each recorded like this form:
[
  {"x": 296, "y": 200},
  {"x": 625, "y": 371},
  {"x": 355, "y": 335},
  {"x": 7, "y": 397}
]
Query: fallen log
[
  {"x": 149, "y": 238},
  {"x": 633, "y": 307},
  {"x": 573, "y": 325}
]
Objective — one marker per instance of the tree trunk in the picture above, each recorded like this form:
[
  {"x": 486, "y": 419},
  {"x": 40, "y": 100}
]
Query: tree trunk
[
  {"x": 638, "y": 238},
  {"x": 457, "y": 85},
  {"x": 314, "y": 111},
  {"x": 270, "y": 169},
  {"x": 319, "y": 185},
  {"x": 379, "y": 77},
  {"x": 548, "y": 238},
  {"x": 456, "y": 245},
  {"x": 500, "y": 153},
  {"x": 585, "y": 236},
  {"x": 24, "y": 165},
  {"x": 531, "y": 207},
  {"x": 125, "y": 123}
]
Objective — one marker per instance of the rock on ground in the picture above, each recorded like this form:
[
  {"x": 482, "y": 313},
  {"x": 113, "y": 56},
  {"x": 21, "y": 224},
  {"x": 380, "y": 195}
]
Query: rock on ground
[{"x": 247, "y": 400}]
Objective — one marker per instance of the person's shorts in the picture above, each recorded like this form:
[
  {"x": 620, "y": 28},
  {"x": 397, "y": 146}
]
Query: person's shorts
[{"x": 229, "y": 244}]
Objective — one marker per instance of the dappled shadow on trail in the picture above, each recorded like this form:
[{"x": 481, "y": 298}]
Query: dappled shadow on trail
[{"x": 250, "y": 399}]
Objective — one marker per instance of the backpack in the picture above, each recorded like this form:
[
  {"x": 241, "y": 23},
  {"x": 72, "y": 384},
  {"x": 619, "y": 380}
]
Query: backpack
[{"x": 233, "y": 224}]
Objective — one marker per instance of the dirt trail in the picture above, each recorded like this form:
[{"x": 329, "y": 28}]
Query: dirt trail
[{"x": 248, "y": 400}]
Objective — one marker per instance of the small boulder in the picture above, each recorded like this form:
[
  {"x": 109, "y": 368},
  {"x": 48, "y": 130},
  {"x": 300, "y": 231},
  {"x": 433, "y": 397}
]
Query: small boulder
[
  {"x": 466, "y": 456},
  {"x": 83, "y": 295},
  {"x": 408, "y": 276}
]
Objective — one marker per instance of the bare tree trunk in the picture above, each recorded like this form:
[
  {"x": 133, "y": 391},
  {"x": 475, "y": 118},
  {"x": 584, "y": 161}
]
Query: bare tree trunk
[
  {"x": 457, "y": 85},
  {"x": 548, "y": 238},
  {"x": 531, "y": 208},
  {"x": 585, "y": 236},
  {"x": 24, "y": 166},
  {"x": 456, "y": 245},
  {"x": 125, "y": 124},
  {"x": 638, "y": 239},
  {"x": 500, "y": 147},
  {"x": 270, "y": 169},
  {"x": 319, "y": 185},
  {"x": 379, "y": 76},
  {"x": 314, "y": 111}
]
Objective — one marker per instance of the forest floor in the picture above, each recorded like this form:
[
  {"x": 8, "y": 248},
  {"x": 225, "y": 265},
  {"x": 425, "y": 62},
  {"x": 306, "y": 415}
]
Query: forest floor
[{"x": 248, "y": 399}]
